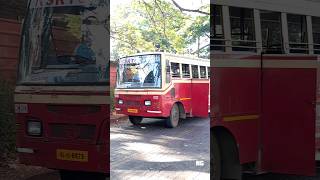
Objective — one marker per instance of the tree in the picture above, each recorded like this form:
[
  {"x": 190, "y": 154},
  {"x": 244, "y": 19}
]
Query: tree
[{"x": 146, "y": 23}]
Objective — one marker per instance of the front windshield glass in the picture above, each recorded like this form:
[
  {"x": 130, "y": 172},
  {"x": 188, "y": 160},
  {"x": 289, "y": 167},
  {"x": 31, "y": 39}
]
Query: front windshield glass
[
  {"x": 142, "y": 71},
  {"x": 65, "y": 42}
]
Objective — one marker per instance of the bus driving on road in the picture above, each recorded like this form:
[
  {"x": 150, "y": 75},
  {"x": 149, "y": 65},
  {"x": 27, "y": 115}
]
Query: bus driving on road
[
  {"x": 62, "y": 93},
  {"x": 162, "y": 85},
  {"x": 265, "y": 110}
]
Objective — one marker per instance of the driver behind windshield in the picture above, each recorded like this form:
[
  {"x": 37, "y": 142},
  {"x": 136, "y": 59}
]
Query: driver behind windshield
[{"x": 84, "y": 50}]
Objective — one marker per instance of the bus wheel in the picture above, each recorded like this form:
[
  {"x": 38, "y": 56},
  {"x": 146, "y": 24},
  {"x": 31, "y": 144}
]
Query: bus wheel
[
  {"x": 70, "y": 175},
  {"x": 135, "y": 120},
  {"x": 173, "y": 120},
  {"x": 215, "y": 159}
]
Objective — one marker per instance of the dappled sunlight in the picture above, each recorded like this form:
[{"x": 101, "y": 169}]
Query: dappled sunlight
[
  {"x": 124, "y": 136},
  {"x": 154, "y": 152},
  {"x": 161, "y": 175}
]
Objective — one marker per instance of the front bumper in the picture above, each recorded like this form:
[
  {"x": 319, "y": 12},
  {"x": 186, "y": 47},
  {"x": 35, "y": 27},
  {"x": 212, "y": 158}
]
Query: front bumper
[{"x": 45, "y": 154}]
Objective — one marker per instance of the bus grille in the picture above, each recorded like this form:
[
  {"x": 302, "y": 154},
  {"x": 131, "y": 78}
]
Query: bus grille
[
  {"x": 132, "y": 103},
  {"x": 70, "y": 131}
]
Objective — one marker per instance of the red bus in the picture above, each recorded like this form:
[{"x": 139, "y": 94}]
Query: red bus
[
  {"x": 162, "y": 85},
  {"x": 265, "y": 94},
  {"x": 62, "y": 93}
]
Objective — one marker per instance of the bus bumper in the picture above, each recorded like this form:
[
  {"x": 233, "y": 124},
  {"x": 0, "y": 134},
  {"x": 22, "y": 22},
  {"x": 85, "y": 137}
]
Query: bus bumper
[
  {"x": 143, "y": 113},
  {"x": 74, "y": 157}
]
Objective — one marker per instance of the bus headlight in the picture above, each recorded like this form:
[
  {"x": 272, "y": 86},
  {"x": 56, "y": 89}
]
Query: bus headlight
[
  {"x": 34, "y": 128},
  {"x": 147, "y": 103},
  {"x": 120, "y": 101}
]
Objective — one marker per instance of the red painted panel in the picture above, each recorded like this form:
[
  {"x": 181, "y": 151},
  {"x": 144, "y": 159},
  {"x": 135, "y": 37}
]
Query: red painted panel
[
  {"x": 200, "y": 101},
  {"x": 236, "y": 92},
  {"x": 183, "y": 90},
  {"x": 288, "y": 121},
  {"x": 45, "y": 146}
]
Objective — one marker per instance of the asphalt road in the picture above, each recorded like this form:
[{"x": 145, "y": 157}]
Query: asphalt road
[{"x": 152, "y": 151}]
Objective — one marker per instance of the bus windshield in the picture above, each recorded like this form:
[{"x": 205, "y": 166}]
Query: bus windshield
[
  {"x": 143, "y": 71},
  {"x": 65, "y": 43}
]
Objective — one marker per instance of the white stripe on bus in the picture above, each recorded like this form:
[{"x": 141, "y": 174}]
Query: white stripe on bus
[
  {"x": 159, "y": 92},
  {"x": 61, "y": 99},
  {"x": 241, "y": 63},
  {"x": 63, "y": 88}
]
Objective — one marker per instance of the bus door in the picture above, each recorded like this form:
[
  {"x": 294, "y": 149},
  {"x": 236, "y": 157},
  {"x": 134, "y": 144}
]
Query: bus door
[
  {"x": 199, "y": 93},
  {"x": 288, "y": 114}
]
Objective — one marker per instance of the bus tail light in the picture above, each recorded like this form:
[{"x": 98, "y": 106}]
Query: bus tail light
[
  {"x": 34, "y": 128},
  {"x": 147, "y": 103}
]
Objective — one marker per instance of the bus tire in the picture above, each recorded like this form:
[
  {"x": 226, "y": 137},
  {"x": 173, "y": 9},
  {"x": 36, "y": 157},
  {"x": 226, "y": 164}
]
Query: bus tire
[
  {"x": 215, "y": 159},
  {"x": 135, "y": 120},
  {"x": 174, "y": 117},
  {"x": 76, "y": 175}
]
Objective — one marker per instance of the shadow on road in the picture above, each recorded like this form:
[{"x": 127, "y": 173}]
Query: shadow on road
[
  {"x": 154, "y": 148},
  {"x": 46, "y": 176}
]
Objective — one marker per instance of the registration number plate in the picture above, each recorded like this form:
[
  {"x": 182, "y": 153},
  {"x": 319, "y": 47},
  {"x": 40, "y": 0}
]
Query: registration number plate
[
  {"x": 133, "y": 110},
  {"x": 72, "y": 155}
]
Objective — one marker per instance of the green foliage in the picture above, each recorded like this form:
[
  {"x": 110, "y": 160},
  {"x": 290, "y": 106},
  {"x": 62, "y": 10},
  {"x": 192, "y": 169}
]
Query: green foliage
[
  {"x": 112, "y": 98},
  {"x": 143, "y": 24},
  {"x": 7, "y": 121}
]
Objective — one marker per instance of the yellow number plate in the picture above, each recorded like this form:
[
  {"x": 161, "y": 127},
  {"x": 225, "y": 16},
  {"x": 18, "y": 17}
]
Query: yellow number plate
[
  {"x": 72, "y": 155},
  {"x": 133, "y": 110}
]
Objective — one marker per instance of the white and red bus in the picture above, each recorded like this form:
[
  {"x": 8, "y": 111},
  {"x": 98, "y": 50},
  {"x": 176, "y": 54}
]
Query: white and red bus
[
  {"x": 162, "y": 85},
  {"x": 62, "y": 93},
  {"x": 265, "y": 87}
]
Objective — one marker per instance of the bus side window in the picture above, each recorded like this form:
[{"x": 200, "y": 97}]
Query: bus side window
[
  {"x": 208, "y": 72},
  {"x": 195, "y": 71},
  {"x": 271, "y": 32},
  {"x": 298, "y": 34},
  {"x": 185, "y": 71},
  {"x": 168, "y": 75},
  {"x": 175, "y": 68},
  {"x": 242, "y": 29},
  {"x": 316, "y": 34},
  {"x": 203, "y": 72}
]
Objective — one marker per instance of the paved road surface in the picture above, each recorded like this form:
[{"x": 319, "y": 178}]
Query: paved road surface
[{"x": 151, "y": 151}]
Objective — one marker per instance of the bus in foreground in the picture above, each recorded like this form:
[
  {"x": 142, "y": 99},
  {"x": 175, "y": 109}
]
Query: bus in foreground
[
  {"x": 62, "y": 93},
  {"x": 162, "y": 85},
  {"x": 265, "y": 112}
]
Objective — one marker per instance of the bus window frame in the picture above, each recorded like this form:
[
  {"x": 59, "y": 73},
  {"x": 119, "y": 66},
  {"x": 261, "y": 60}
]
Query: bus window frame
[
  {"x": 186, "y": 75},
  {"x": 193, "y": 77},
  {"x": 178, "y": 75},
  {"x": 205, "y": 72}
]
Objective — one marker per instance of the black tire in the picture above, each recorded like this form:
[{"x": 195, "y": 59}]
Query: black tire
[
  {"x": 135, "y": 120},
  {"x": 215, "y": 159},
  {"x": 174, "y": 117},
  {"x": 76, "y": 175}
]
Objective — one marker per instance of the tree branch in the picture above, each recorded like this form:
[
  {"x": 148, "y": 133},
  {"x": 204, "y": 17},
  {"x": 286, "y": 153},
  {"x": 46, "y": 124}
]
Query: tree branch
[{"x": 189, "y": 10}]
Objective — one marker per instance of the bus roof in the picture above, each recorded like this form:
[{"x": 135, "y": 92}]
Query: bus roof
[
  {"x": 303, "y": 7},
  {"x": 171, "y": 55}
]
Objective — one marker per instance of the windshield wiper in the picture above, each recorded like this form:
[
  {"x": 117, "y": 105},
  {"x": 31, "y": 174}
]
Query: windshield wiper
[{"x": 74, "y": 59}]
